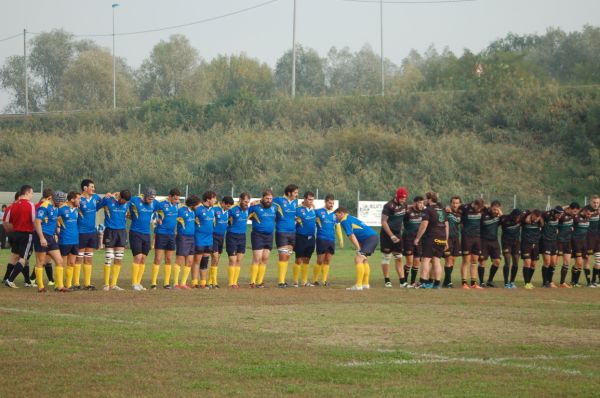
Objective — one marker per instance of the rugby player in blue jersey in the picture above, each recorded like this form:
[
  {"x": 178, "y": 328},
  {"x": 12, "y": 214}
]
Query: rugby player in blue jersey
[
  {"x": 203, "y": 238},
  {"x": 68, "y": 236},
  {"x": 184, "y": 242},
  {"x": 285, "y": 237},
  {"x": 263, "y": 217},
  {"x": 306, "y": 227},
  {"x": 327, "y": 229},
  {"x": 221, "y": 221},
  {"x": 89, "y": 204},
  {"x": 235, "y": 240},
  {"x": 164, "y": 236},
  {"x": 141, "y": 211}
]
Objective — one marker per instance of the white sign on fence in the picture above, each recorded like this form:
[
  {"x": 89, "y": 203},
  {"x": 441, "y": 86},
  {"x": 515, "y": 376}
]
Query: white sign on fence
[{"x": 369, "y": 212}]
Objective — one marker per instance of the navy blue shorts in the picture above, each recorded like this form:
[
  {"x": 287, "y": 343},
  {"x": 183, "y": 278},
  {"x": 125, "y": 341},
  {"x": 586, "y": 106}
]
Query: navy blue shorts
[
  {"x": 203, "y": 250},
  {"x": 185, "y": 245},
  {"x": 325, "y": 246},
  {"x": 218, "y": 243},
  {"x": 368, "y": 246},
  {"x": 235, "y": 243},
  {"x": 52, "y": 244},
  {"x": 88, "y": 240},
  {"x": 260, "y": 241},
  {"x": 285, "y": 239},
  {"x": 115, "y": 238},
  {"x": 164, "y": 242},
  {"x": 305, "y": 246},
  {"x": 65, "y": 250},
  {"x": 139, "y": 243}
]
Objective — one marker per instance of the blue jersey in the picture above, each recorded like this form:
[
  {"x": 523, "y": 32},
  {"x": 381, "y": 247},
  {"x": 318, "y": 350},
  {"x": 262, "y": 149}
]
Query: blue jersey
[
  {"x": 238, "y": 219},
  {"x": 306, "y": 223},
  {"x": 205, "y": 226},
  {"x": 141, "y": 214},
  {"x": 353, "y": 225},
  {"x": 286, "y": 214},
  {"x": 167, "y": 213},
  {"x": 263, "y": 219},
  {"x": 326, "y": 224},
  {"x": 68, "y": 218},
  {"x": 186, "y": 221},
  {"x": 48, "y": 214},
  {"x": 114, "y": 213},
  {"x": 221, "y": 219},
  {"x": 87, "y": 214}
]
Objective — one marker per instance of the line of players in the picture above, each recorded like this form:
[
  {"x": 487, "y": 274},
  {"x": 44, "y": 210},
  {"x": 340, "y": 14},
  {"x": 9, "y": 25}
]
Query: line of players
[
  {"x": 62, "y": 229},
  {"x": 474, "y": 232}
]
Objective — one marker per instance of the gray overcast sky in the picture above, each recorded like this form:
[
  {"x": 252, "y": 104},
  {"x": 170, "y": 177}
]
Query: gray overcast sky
[{"x": 265, "y": 33}]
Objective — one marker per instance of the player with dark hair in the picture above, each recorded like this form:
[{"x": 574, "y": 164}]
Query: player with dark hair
[
  {"x": 221, "y": 222},
  {"x": 184, "y": 242},
  {"x": 564, "y": 241},
  {"x": 453, "y": 249},
  {"x": 581, "y": 227},
  {"x": 593, "y": 243},
  {"x": 142, "y": 209},
  {"x": 235, "y": 240},
  {"x": 306, "y": 227},
  {"x": 531, "y": 232},
  {"x": 68, "y": 237},
  {"x": 490, "y": 221},
  {"x": 471, "y": 240},
  {"x": 203, "y": 238},
  {"x": 164, "y": 238},
  {"x": 511, "y": 246},
  {"x": 327, "y": 229},
  {"x": 412, "y": 252},
  {"x": 435, "y": 228},
  {"x": 285, "y": 236},
  {"x": 548, "y": 246},
  {"x": 263, "y": 217},
  {"x": 390, "y": 237},
  {"x": 89, "y": 204}
]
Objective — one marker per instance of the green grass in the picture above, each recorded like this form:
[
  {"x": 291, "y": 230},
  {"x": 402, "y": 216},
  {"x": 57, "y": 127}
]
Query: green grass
[{"x": 302, "y": 342}]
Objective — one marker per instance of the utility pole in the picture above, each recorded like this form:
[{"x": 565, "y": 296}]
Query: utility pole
[
  {"x": 294, "y": 54},
  {"x": 115, "y": 5},
  {"x": 25, "y": 71},
  {"x": 382, "y": 67}
]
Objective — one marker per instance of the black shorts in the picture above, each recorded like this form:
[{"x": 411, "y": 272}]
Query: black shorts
[
  {"x": 115, "y": 238},
  {"x": 368, "y": 246},
  {"x": 52, "y": 243},
  {"x": 593, "y": 243},
  {"x": 471, "y": 245},
  {"x": 453, "y": 247},
  {"x": 490, "y": 248},
  {"x": 579, "y": 247},
  {"x": 386, "y": 244},
  {"x": 164, "y": 242},
  {"x": 185, "y": 245},
  {"x": 285, "y": 239},
  {"x": 511, "y": 247},
  {"x": 235, "y": 243},
  {"x": 260, "y": 241},
  {"x": 139, "y": 243},
  {"x": 218, "y": 243},
  {"x": 563, "y": 247},
  {"x": 433, "y": 248},
  {"x": 305, "y": 246},
  {"x": 409, "y": 248},
  {"x": 65, "y": 250},
  {"x": 21, "y": 243},
  {"x": 548, "y": 247},
  {"x": 203, "y": 250},
  {"x": 530, "y": 251},
  {"x": 88, "y": 241},
  {"x": 325, "y": 246}
]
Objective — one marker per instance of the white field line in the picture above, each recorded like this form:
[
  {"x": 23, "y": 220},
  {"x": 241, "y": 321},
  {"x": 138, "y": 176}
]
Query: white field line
[{"x": 66, "y": 315}]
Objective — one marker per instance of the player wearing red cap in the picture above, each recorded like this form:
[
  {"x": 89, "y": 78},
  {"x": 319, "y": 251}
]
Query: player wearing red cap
[{"x": 390, "y": 237}]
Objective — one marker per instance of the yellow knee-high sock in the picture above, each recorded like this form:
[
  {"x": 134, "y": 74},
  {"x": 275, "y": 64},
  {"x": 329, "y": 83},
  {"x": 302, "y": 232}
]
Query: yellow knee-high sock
[
  {"x": 115, "y": 275},
  {"x": 69, "y": 278},
  {"x": 316, "y": 272},
  {"x": 106, "y": 275},
  {"x": 59, "y": 278},
  {"x": 282, "y": 267},
  {"x": 77, "y": 275},
  {"x": 262, "y": 269},
  {"x": 230, "y": 275},
  {"x": 176, "y": 271},
  {"x": 87, "y": 274},
  {"x": 167, "y": 280},
  {"x": 213, "y": 276},
  {"x": 304, "y": 273},
  {"x": 360, "y": 273},
  {"x": 296, "y": 272},
  {"x": 253, "y": 273},
  {"x": 237, "y": 274},
  {"x": 325, "y": 272},
  {"x": 135, "y": 269},
  {"x": 141, "y": 273},
  {"x": 367, "y": 273},
  {"x": 154, "y": 278},
  {"x": 39, "y": 277},
  {"x": 185, "y": 274}
]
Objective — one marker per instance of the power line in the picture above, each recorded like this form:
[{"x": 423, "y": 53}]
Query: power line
[
  {"x": 11, "y": 37},
  {"x": 410, "y": 2}
]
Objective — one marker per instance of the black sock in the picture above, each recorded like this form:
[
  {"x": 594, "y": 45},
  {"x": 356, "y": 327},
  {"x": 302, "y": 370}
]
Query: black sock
[
  {"x": 406, "y": 271},
  {"x": 587, "y": 273},
  {"x": 48, "y": 268},
  {"x": 505, "y": 272},
  {"x": 447, "y": 275},
  {"x": 513, "y": 272},
  {"x": 402, "y": 281},
  {"x": 423, "y": 281},
  {"x": 386, "y": 280},
  {"x": 436, "y": 283},
  {"x": 531, "y": 272},
  {"x": 413, "y": 275},
  {"x": 481, "y": 274},
  {"x": 25, "y": 272},
  {"x": 594, "y": 275},
  {"x": 544, "y": 275},
  {"x": 15, "y": 272},
  {"x": 564, "y": 270},
  {"x": 9, "y": 268},
  {"x": 573, "y": 273},
  {"x": 32, "y": 274},
  {"x": 463, "y": 281},
  {"x": 576, "y": 274},
  {"x": 525, "y": 274},
  {"x": 550, "y": 275},
  {"x": 473, "y": 282},
  {"x": 493, "y": 271}
]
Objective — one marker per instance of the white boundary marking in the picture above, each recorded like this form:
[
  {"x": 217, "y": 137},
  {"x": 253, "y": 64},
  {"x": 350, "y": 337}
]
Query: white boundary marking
[{"x": 59, "y": 314}]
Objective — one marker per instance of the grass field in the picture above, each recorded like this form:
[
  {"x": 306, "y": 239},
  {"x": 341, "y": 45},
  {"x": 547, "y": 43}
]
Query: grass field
[{"x": 324, "y": 342}]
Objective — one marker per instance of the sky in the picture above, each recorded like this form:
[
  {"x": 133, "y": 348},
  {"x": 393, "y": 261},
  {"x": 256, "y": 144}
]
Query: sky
[{"x": 265, "y": 32}]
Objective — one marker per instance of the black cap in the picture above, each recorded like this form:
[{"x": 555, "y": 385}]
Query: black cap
[{"x": 558, "y": 210}]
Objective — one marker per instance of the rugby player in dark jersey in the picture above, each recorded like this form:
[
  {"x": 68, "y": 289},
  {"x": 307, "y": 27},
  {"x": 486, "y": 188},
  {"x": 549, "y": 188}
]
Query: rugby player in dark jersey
[
  {"x": 563, "y": 241},
  {"x": 511, "y": 246},
  {"x": 412, "y": 252},
  {"x": 435, "y": 230},
  {"x": 548, "y": 244},
  {"x": 490, "y": 221},
  {"x": 581, "y": 226},
  {"x": 531, "y": 232},
  {"x": 471, "y": 240},
  {"x": 453, "y": 249},
  {"x": 390, "y": 237},
  {"x": 593, "y": 243}
]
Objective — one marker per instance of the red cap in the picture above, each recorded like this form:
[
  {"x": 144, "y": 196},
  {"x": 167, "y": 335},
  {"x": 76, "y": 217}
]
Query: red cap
[{"x": 401, "y": 193}]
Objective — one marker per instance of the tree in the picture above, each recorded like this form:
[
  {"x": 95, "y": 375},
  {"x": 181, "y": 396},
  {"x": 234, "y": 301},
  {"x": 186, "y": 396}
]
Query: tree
[
  {"x": 168, "y": 70},
  {"x": 310, "y": 72},
  {"x": 12, "y": 79}
]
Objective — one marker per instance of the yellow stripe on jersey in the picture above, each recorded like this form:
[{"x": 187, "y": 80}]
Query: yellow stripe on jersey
[{"x": 255, "y": 216}]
